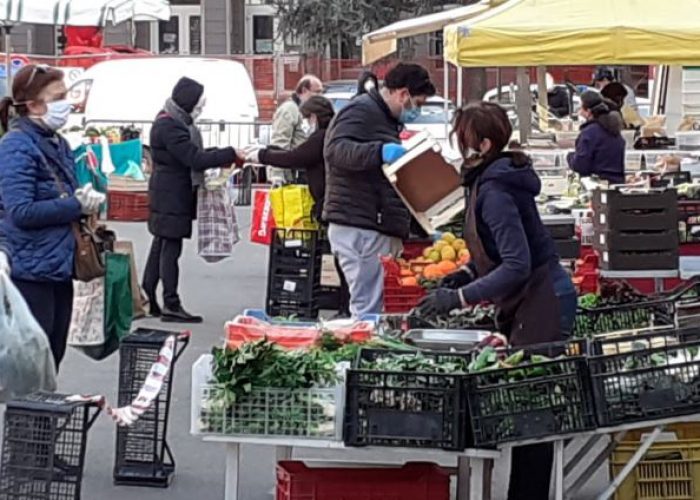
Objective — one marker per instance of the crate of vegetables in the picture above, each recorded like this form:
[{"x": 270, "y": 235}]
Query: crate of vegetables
[
  {"x": 407, "y": 399},
  {"x": 262, "y": 390},
  {"x": 619, "y": 307},
  {"x": 530, "y": 393},
  {"x": 646, "y": 377}
]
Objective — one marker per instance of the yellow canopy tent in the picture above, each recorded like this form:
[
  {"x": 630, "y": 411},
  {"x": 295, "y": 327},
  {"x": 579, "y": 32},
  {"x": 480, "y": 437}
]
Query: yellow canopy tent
[
  {"x": 563, "y": 32},
  {"x": 383, "y": 42}
]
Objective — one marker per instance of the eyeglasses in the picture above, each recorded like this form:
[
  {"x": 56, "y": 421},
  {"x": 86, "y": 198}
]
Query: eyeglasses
[{"x": 38, "y": 68}]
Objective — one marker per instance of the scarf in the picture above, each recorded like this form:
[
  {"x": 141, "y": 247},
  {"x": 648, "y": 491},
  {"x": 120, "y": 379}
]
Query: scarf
[{"x": 183, "y": 116}]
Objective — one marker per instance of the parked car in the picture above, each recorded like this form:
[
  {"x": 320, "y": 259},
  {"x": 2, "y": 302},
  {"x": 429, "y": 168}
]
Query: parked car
[
  {"x": 433, "y": 117},
  {"x": 133, "y": 91}
]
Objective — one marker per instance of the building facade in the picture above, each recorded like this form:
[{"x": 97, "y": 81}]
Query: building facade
[{"x": 196, "y": 27}]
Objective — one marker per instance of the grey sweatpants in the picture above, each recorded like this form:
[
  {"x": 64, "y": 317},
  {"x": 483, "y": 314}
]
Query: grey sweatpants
[{"x": 358, "y": 251}]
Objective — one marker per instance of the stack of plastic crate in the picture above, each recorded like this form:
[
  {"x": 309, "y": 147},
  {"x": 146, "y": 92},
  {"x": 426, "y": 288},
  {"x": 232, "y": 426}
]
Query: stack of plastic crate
[{"x": 294, "y": 273}]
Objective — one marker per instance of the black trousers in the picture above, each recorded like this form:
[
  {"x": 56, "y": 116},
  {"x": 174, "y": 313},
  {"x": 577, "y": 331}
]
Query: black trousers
[
  {"x": 162, "y": 266},
  {"x": 51, "y": 305},
  {"x": 531, "y": 472}
]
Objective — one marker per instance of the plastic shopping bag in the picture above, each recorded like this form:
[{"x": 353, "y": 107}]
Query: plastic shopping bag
[
  {"x": 217, "y": 229},
  {"x": 262, "y": 222},
  {"x": 26, "y": 362},
  {"x": 118, "y": 306},
  {"x": 292, "y": 206}
]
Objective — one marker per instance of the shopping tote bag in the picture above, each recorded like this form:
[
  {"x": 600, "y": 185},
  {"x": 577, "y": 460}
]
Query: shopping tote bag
[
  {"x": 118, "y": 306},
  {"x": 292, "y": 206},
  {"x": 262, "y": 222},
  {"x": 217, "y": 229}
]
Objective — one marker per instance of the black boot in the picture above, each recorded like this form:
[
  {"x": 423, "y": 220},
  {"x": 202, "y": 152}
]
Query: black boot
[{"x": 179, "y": 315}]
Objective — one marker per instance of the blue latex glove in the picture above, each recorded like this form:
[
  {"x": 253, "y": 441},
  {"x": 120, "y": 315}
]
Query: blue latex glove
[{"x": 392, "y": 152}]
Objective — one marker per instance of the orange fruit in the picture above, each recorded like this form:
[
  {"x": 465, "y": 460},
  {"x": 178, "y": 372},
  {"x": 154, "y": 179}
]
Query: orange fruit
[
  {"x": 447, "y": 267},
  {"x": 412, "y": 281}
]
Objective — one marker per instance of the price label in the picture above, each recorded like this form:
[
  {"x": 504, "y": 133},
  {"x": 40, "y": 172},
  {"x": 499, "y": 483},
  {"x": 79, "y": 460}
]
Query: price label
[{"x": 289, "y": 286}]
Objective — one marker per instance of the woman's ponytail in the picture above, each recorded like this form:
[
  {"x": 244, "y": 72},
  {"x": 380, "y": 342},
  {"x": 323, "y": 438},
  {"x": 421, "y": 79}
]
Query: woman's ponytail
[{"x": 5, "y": 107}]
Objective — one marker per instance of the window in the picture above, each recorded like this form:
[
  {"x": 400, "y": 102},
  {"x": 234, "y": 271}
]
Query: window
[
  {"x": 195, "y": 35},
  {"x": 169, "y": 36},
  {"x": 263, "y": 37},
  {"x": 436, "y": 43}
]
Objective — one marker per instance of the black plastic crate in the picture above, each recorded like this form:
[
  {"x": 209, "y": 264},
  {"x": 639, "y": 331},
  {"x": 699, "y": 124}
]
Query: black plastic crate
[
  {"x": 243, "y": 187},
  {"x": 646, "y": 377},
  {"x": 286, "y": 309},
  {"x": 622, "y": 241},
  {"x": 293, "y": 288},
  {"x": 648, "y": 260},
  {"x": 328, "y": 298},
  {"x": 143, "y": 456},
  {"x": 44, "y": 442},
  {"x": 297, "y": 243},
  {"x": 655, "y": 312},
  {"x": 532, "y": 400},
  {"x": 406, "y": 409},
  {"x": 614, "y": 201},
  {"x": 568, "y": 248}
]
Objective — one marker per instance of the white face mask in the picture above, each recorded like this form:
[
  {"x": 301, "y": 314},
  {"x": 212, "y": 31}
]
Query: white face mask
[
  {"x": 199, "y": 108},
  {"x": 308, "y": 127},
  {"x": 57, "y": 113}
]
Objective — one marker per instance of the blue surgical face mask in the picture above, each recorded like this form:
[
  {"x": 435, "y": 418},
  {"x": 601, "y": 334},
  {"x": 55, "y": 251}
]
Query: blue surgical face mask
[
  {"x": 410, "y": 115},
  {"x": 57, "y": 113}
]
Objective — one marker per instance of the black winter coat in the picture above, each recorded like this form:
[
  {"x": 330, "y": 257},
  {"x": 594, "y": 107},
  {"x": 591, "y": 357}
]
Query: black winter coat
[
  {"x": 357, "y": 192},
  {"x": 173, "y": 201},
  {"x": 308, "y": 157}
]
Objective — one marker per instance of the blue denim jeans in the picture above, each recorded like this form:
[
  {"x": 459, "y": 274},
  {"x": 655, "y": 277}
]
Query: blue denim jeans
[{"x": 566, "y": 293}]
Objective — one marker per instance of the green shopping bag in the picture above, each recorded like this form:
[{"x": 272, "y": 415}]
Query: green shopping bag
[{"x": 118, "y": 306}]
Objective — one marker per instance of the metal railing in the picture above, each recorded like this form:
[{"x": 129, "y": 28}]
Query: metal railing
[{"x": 214, "y": 133}]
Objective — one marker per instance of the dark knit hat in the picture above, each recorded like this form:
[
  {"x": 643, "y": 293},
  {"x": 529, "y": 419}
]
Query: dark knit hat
[
  {"x": 187, "y": 93},
  {"x": 592, "y": 99}
]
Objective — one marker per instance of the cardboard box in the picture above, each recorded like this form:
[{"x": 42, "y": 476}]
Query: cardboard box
[{"x": 429, "y": 184}]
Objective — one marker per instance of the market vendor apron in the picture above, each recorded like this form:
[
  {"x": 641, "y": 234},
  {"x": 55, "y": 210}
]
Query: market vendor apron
[{"x": 530, "y": 315}]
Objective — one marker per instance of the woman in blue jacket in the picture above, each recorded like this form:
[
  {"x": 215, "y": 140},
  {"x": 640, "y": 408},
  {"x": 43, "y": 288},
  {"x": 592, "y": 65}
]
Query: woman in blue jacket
[
  {"x": 600, "y": 147},
  {"x": 514, "y": 261},
  {"x": 39, "y": 199}
]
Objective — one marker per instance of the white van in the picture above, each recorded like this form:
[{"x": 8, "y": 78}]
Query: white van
[{"x": 133, "y": 91}]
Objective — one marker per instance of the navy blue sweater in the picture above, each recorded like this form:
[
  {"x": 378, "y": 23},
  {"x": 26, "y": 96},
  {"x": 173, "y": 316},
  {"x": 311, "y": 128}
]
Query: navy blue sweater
[
  {"x": 510, "y": 229},
  {"x": 600, "y": 151}
]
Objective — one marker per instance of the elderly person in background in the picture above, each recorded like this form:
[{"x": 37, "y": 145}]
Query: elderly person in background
[{"x": 288, "y": 131}]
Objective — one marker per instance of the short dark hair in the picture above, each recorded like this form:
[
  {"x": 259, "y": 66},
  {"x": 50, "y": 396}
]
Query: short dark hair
[
  {"x": 319, "y": 106},
  {"x": 413, "y": 77}
]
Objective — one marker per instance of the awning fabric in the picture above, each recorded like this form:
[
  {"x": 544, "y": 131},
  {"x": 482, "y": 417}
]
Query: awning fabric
[
  {"x": 382, "y": 42},
  {"x": 81, "y": 12},
  {"x": 565, "y": 32}
]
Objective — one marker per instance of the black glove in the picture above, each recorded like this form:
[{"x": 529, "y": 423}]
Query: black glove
[
  {"x": 457, "y": 279},
  {"x": 439, "y": 303}
]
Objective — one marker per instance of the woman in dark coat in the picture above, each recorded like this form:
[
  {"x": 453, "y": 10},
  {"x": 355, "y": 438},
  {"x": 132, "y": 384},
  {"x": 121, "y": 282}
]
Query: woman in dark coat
[
  {"x": 600, "y": 147},
  {"x": 318, "y": 111},
  {"x": 179, "y": 162},
  {"x": 514, "y": 262}
]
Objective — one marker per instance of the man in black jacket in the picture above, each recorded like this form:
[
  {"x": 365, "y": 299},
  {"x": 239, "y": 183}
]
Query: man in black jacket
[
  {"x": 366, "y": 217},
  {"x": 178, "y": 157}
]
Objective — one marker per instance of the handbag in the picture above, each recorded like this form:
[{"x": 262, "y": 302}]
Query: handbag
[{"x": 88, "y": 262}]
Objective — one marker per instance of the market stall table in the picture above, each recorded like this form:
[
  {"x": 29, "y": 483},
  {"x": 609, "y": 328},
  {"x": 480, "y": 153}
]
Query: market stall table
[{"x": 474, "y": 466}]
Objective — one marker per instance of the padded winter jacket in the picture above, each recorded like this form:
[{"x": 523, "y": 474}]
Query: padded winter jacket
[
  {"x": 37, "y": 183},
  {"x": 357, "y": 192}
]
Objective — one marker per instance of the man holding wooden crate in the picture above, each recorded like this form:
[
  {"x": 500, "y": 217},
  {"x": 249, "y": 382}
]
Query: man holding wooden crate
[{"x": 366, "y": 216}]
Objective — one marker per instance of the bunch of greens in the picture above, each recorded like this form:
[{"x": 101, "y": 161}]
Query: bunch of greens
[
  {"x": 259, "y": 389},
  {"x": 348, "y": 351},
  {"x": 471, "y": 317}
]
